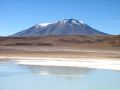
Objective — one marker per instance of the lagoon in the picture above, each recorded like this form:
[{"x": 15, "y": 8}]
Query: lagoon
[{"x": 36, "y": 77}]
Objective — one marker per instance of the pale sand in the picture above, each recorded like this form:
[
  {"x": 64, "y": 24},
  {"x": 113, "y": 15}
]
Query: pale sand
[{"x": 112, "y": 64}]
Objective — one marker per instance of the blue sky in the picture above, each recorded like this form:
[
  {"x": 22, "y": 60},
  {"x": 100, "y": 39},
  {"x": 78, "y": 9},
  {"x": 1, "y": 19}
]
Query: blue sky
[{"x": 17, "y": 15}]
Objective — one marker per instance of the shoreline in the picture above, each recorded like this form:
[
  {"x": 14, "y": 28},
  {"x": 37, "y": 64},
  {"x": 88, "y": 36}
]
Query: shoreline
[
  {"x": 99, "y": 58},
  {"x": 96, "y": 63},
  {"x": 109, "y": 64}
]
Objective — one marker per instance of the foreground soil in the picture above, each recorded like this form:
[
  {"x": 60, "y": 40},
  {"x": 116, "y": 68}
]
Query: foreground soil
[{"x": 58, "y": 52}]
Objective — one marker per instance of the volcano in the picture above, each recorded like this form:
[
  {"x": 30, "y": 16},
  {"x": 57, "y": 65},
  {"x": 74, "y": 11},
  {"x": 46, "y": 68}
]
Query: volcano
[{"x": 64, "y": 27}]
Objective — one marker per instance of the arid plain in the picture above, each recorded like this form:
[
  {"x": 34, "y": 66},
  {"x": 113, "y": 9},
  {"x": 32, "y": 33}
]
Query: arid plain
[{"x": 61, "y": 47}]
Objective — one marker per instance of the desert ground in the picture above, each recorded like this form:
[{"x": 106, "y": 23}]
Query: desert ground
[
  {"x": 58, "y": 52},
  {"x": 61, "y": 47}
]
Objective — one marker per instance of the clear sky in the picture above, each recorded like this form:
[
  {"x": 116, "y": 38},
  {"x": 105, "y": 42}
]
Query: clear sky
[{"x": 17, "y": 15}]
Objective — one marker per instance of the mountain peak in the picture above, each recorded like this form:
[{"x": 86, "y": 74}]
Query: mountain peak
[
  {"x": 72, "y": 21},
  {"x": 68, "y": 21}
]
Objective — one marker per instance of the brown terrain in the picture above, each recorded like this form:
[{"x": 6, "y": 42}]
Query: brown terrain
[{"x": 61, "y": 46}]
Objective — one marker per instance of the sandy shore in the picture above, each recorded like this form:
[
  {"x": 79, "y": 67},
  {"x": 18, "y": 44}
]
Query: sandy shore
[{"x": 58, "y": 52}]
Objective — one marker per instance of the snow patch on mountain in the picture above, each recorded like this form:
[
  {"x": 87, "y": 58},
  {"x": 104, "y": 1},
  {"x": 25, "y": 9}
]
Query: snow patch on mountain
[
  {"x": 43, "y": 24},
  {"x": 72, "y": 21},
  {"x": 81, "y": 22}
]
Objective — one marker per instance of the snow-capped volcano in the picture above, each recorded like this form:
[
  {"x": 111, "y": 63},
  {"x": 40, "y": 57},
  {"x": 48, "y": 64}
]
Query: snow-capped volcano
[{"x": 61, "y": 27}]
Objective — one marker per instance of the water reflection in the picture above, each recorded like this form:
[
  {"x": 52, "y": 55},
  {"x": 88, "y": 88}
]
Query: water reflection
[
  {"x": 11, "y": 68},
  {"x": 58, "y": 71},
  {"x": 8, "y": 68}
]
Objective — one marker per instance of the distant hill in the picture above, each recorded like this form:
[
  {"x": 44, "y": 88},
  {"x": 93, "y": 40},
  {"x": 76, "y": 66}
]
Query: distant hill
[
  {"x": 61, "y": 28},
  {"x": 72, "y": 40}
]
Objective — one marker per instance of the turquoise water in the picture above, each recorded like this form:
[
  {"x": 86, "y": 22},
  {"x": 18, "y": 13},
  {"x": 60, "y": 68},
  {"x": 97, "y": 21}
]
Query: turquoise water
[{"x": 18, "y": 77}]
